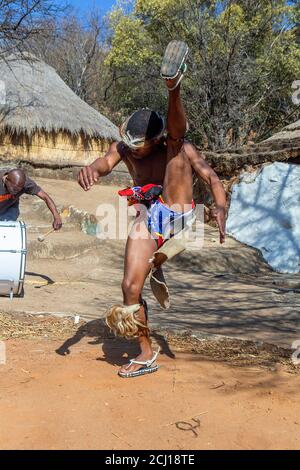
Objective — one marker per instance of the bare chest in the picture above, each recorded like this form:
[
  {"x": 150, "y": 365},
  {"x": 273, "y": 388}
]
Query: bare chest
[{"x": 148, "y": 170}]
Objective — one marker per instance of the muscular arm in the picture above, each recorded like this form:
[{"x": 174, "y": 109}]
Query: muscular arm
[
  {"x": 100, "y": 167},
  {"x": 57, "y": 222},
  {"x": 207, "y": 174}
]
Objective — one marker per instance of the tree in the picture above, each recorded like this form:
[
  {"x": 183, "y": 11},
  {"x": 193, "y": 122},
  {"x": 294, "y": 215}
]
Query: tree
[
  {"x": 74, "y": 50},
  {"x": 244, "y": 58},
  {"x": 21, "y": 21}
]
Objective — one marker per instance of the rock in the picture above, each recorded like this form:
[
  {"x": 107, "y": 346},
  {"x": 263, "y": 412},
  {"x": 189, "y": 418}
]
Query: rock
[{"x": 265, "y": 213}]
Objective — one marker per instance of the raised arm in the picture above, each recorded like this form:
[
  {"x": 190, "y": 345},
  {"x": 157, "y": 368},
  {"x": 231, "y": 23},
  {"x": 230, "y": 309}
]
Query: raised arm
[
  {"x": 90, "y": 174},
  {"x": 57, "y": 222},
  {"x": 207, "y": 174}
]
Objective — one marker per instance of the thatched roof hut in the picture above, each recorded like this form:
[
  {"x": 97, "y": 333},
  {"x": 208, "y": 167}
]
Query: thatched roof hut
[
  {"x": 288, "y": 134},
  {"x": 43, "y": 121},
  {"x": 281, "y": 147}
]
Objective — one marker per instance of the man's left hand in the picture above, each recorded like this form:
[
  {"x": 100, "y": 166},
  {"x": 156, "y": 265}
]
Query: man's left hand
[
  {"x": 57, "y": 223},
  {"x": 219, "y": 214}
]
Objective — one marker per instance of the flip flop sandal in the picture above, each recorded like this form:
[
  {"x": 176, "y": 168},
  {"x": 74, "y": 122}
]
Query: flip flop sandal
[
  {"x": 147, "y": 367},
  {"x": 173, "y": 63}
]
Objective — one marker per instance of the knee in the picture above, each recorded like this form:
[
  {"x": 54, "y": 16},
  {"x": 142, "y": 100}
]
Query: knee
[{"x": 131, "y": 288}]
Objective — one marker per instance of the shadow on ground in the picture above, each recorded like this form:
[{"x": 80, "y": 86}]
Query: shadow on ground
[{"x": 116, "y": 350}]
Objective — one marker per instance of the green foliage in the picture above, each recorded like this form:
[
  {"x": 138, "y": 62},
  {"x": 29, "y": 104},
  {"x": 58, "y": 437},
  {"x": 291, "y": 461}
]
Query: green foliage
[
  {"x": 131, "y": 44},
  {"x": 244, "y": 58}
]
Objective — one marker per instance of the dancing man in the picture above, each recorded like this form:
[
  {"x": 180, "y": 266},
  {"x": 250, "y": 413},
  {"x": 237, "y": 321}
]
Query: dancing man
[{"x": 161, "y": 163}]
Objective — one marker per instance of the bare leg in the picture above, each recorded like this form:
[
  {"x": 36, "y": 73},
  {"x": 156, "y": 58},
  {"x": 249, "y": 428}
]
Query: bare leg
[
  {"x": 177, "y": 186},
  {"x": 136, "y": 269},
  {"x": 176, "y": 120}
]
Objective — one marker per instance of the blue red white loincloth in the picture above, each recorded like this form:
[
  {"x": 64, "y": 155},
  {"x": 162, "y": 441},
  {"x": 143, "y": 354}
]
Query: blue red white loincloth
[{"x": 162, "y": 222}]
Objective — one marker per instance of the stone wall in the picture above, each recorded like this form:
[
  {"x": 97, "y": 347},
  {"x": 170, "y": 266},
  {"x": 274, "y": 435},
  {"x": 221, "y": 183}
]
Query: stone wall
[{"x": 229, "y": 164}]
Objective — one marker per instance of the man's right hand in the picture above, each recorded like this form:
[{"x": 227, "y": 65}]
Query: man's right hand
[
  {"x": 219, "y": 214},
  {"x": 87, "y": 177}
]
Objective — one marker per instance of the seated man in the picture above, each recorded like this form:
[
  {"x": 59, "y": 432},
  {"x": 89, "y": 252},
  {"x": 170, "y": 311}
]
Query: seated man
[
  {"x": 161, "y": 164},
  {"x": 14, "y": 183}
]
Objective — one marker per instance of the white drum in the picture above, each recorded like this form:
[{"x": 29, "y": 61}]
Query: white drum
[{"x": 12, "y": 257}]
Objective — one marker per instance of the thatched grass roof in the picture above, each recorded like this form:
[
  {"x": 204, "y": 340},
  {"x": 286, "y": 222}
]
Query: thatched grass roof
[
  {"x": 288, "y": 133},
  {"x": 37, "y": 99}
]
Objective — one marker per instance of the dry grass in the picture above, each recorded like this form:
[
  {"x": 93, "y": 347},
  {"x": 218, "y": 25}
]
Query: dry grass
[
  {"x": 37, "y": 99},
  {"x": 232, "y": 351},
  {"x": 30, "y": 327}
]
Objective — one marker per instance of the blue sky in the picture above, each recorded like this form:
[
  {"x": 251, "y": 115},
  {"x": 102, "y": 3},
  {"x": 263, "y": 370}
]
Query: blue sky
[{"x": 86, "y": 5}]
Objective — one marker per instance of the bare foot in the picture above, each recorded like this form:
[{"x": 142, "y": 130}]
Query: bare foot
[{"x": 144, "y": 356}]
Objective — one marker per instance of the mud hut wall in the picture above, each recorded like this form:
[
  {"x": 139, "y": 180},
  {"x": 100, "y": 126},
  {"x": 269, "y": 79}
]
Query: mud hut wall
[{"x": 51, "y": 148}]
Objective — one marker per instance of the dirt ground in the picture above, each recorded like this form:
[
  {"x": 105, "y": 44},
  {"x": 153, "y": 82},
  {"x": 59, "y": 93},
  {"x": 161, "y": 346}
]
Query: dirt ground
[
  {"x": 59, "y": 387},
  {"x": 216, "y": 289},
  {"x": 59, "y": 395}
]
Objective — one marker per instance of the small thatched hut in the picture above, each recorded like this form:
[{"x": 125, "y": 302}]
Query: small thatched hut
[
  {"x": 288, "y": 135},
  {"x": 43, "y": 121}
]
